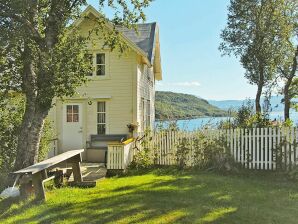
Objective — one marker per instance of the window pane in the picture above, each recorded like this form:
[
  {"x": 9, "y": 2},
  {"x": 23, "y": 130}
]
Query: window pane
[
  {"x": 101, "y": 118},
  {"x": 69, "y": 118},
  {"x": 75, "y": 118},
  {"x": 101, "y": 129},
  {"x": 101, "y": 107},
  {"x": 100, "y": 70},
  {"x": 100, "y": 58},
  {"x": 75, "y": 109},
  {"x": 69, "y": 109}
]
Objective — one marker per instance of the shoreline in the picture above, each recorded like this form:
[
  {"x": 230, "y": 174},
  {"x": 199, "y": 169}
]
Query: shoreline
[{"x": 191, "y": 118}]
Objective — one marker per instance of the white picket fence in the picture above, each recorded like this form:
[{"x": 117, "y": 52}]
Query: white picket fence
[
  {"x": 119, "y": 156},
  {"x": 255, "y": 148}
]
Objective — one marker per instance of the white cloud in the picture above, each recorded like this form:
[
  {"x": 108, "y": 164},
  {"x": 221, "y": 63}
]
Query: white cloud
[{"x": 179, "y": 84}]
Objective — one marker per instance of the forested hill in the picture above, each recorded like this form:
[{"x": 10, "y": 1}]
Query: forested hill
[{"x": 171, "y": 105}]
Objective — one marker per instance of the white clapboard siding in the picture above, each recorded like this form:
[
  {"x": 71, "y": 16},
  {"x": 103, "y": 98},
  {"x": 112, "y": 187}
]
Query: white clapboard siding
[{"x": 254, "y": 148}]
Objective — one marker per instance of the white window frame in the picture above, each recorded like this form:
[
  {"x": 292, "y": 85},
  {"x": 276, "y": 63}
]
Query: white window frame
[
  {"x": 105, "y": 117},
  {"x": 94, "y": 66},
  {"x": 148, "y": 113},
  {"x": 72, "y": 113},
  {"x": 143, "y": 113},
  {"x": 100, "y": 64}
]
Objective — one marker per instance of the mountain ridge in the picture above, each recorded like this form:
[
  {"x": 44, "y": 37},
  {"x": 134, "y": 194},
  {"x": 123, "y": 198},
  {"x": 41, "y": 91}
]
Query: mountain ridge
[{"x": 171, "y": 105}]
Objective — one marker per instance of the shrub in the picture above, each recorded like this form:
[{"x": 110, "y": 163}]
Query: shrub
[
  {"x": 182, "y": 154},
  {"x": 145, "y": 155},
  {"x": 11, "y": 113},
  {"x": 204, "y": 153}
]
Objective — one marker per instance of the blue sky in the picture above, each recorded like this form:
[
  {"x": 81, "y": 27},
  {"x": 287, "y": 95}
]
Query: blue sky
[{"x": 191, "y": 62}]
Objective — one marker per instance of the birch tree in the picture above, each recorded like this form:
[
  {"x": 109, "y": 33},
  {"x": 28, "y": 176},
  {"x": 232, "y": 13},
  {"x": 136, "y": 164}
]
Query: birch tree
[{"x": 258, "y": 33}]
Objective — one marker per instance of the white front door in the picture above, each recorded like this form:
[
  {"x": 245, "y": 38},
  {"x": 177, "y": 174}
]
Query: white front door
[{"x": 72, "y": 126}]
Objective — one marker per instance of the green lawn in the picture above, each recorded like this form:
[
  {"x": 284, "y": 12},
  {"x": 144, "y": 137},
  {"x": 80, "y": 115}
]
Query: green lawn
[{"x": 166, "y": 196}]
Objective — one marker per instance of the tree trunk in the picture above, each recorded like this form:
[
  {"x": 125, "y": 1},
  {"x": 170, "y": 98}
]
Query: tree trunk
[
  {"x": 29, "y": 139},
  {"x": 258, "y": 98},
  {"x": 289, "y": 77},
  {"x": 287, "y": 99},
  {"x": 33, "y": 119}
]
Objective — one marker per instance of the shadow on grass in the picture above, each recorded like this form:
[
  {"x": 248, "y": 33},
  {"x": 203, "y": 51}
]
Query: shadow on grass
[{"x": 166, "y": 196}]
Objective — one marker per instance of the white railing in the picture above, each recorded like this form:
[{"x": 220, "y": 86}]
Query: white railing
[
  {"x": 254, "y": 148},
  {"x": 120, "y": 155}
]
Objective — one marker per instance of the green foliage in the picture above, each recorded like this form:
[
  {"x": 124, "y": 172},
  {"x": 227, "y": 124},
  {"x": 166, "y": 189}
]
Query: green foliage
[
  {"x": 43, "y": 56},
  {"x": 293, "y": 93},
  {"x": 244, "y": 113},
  {"x": 258, "y": 120},
  {"x": 246, "y": 117},
  {"x": 184, "y": 149},
  {"x": 172, "y": 106},
  {"x": 145, "y": 155},
  {"x": 11, "y": 113},
  {"x": 204, "y": 152},
  {"x": 11, "y": 110},
  {"x": 46, "y": 140},
  {"x": 259, "y": 32},
  {"x": 288, "y": 123}
]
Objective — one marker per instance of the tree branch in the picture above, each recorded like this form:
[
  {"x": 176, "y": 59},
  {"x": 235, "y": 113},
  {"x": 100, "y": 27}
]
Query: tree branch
[{"x": 25, "y": 22}]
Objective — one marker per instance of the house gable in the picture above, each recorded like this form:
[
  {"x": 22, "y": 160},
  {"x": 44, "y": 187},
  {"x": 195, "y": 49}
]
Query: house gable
[{"x": 145, "y": 42}]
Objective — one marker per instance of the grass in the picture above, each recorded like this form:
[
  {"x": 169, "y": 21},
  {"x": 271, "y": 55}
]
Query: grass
[{"x": 165, "y": 196}]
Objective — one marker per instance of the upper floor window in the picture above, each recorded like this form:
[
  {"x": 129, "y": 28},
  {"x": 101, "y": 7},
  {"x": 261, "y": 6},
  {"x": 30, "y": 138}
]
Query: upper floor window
[{"x": 100, "y": 64}]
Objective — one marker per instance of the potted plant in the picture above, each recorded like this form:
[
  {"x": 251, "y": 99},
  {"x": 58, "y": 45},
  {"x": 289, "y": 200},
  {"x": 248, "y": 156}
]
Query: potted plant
[{"x": 132, "y": 127}]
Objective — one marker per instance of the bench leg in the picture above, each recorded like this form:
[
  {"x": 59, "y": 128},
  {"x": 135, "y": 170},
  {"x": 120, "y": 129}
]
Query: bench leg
[
  {"x": 38, "y": 186},
  {"x": 77, "y": 174}
]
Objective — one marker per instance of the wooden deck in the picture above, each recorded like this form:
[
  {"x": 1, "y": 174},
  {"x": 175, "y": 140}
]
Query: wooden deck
[{"x": 93, "y": 171}]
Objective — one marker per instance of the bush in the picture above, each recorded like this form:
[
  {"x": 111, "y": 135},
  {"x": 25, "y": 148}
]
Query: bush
[
  {"x": 245, "y": 117},
  {"x": 204, "y": 153},
  {"x": 145, "y": 155},
  {"x": 11, "y": 113}
]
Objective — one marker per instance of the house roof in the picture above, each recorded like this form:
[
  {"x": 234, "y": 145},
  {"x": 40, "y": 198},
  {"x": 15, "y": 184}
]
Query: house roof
[
  {"x": 144, "y": 41},
  {"x": 144, "y": 37}
]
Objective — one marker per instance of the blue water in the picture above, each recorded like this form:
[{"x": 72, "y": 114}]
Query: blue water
[{"x": 194, "y": 124}]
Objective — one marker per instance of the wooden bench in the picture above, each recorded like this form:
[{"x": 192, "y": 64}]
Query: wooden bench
[
  {"x": 38, "y": 171},
  {"x": 105, "y": 138},
  {"x": 97, "y": 147}
]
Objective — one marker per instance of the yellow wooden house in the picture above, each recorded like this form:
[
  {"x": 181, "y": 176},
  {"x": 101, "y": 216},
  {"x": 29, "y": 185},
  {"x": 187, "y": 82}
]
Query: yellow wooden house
[{"x": 120, "y": 92}]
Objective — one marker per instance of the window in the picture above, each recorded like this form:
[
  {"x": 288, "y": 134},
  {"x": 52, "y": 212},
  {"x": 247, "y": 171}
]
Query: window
[
  {"x": 148, "y": 117},
  {"x": 100, "y": 64},
  {"x": 72, "y": 113},
  {"x": 101, "y": 118},
  {"x": 90, "y": 60},
  {"x": 143, "y": 113}
]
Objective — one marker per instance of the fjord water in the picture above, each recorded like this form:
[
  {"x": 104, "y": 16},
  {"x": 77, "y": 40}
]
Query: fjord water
[{"x": 193, "y": 124}]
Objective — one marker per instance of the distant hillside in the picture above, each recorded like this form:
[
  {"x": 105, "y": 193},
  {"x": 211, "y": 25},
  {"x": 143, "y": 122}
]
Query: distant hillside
[
  {"x": 183, "y": 106},
  {"x": 275, "y": 101}
]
